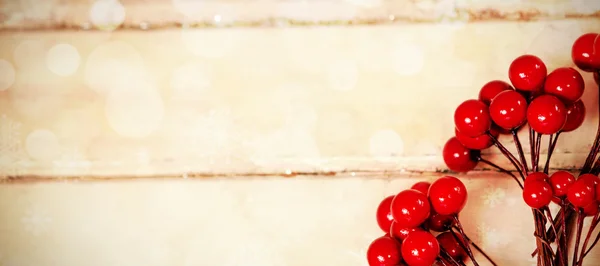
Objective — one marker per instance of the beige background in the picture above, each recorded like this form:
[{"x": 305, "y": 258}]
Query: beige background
[{"x": 355, "y": 113}]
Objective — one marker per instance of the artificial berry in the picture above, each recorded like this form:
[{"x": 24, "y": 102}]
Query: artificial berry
[
  {"x": 448, "y": 242},
  {"x": 472, "y": 118},
  {"x": 560, "y": 182},
  {"x": 537, "y": 194},
  {"x": 536, "y": 176},
  {"x": 384, "y": 251},
  {"x": 458, "y": 157},
  {"x": 400, "y": 232},
  {"x": 477, "y": 143},
  {"x": 384, "y": 214},
  {"x": 565, "y": 83},
  {"x": 575, "y": 116},
  {"x": 586, "y": 52},
  {"x": 410, "y": 208},
  {"x": 591, "y": 209},
  {"x": 581, "y": 193},
  {"x": 448, "y": 195},
  {"x": 420, "y": 249},
  {"x": 509, "y": 109},
  {"x": 527, "y": 73},
  {"x": 546, "y": 114},
  {"x": 590, "y": 177},
  {"x": 491, "y": 89},
  {"x": 440, "y": 223},
  {"x": 422, "y": 186}
]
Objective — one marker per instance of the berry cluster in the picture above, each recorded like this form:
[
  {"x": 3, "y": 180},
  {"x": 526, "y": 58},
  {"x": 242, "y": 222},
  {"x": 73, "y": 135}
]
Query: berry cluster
[
  {"x": 412, "y": 217},
  {"x": 545, "y": 105}
]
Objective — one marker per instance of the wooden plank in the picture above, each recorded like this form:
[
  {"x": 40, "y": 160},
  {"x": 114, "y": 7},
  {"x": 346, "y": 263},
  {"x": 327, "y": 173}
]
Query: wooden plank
[{"x": 145, "y": 14}]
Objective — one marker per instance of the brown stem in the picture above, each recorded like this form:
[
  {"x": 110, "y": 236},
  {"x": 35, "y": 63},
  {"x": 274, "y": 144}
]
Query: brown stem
[
  {"x": 462, "y": 233},
  {"x": 588, "y": 236},
  {"x": 593, "y": 244},
  {"x": 578, "y": 237},
  {"x": 551, "y": 145},
  {"x": 480, "y": 250},
  {"x": 538, "y": 143},
  {"x": 563, "y": 234},
  {"x": 508, "y": 155},
  {"x": 445, "y": 256},
  {"x": 532, "y": 145},
  {"x": 520, "y": 150},
  {"x": 546, "y": 210},
  {"x": 501, "y": 170}
]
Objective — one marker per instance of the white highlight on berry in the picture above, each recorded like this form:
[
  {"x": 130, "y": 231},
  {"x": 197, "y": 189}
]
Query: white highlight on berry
[
  {"x": 407, "y": 58},
  {"x": 7, "y": 75},
  {"x": 136, "y": 109},
  {"x": 63, "y": 59},
  {"x": 42, "y": 145},
  {"x": 386, "y": 143},
  {"x": 190, "y": 81},
  {"x": 107, "y": 14},
  {"x": 343, "y": 75}
]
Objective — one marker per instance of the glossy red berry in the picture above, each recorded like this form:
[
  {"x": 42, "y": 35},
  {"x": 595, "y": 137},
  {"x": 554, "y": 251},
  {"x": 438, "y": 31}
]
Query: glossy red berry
[
  {"x": 575, "y": 116},
  {"x": 581, "y": 193},
  {"x": 458, "y": 157},
  {"x": 384, "y": 251},
  {"x": 448, "y": 195},
  {"x": 527, "y": 73},
  {"x": 410, "y": 208},
  {"x": 560, "y": 182},
  {"x": 422, "y": 186},
  {"x": 537, "y": 194},
  {"x": 586, "y": 52},
  {"x": 477, "y": 143},
  {"x": 449, "y": 243},
  {"x": 400, "y": 232},
  {"x": 591, "y": 209},
  {"x": 491, "y": 89},
  {"x": 565, "y": 83},
  {"x": 384, "y": 214},
  {"x": 472, "y": 118},
  {"x": 420, "y": 249},
  {"x": 590, "y": 177},
  {"x": 546, "y": 114},
  {"x": 536, "y": 176},
  {"x": 509, "y": 109},
  {"x": 440, "y": 223}
]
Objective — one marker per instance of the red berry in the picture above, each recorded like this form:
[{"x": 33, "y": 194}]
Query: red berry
[
  {"x": 472, "y": 118},
  {"x": 590, "y": 177},
  {"x": 586, "y": 52},
  {"x": 546, "y": 114},
  {"x": 509, "y": 109},
  {"x": 440, "y": 223},
  {"x": 423, "y": 187},
  {"x": 384, "y": 214},
  {"x": 537, "y": 194},
  {"x": 384, "y": 251},
  {"x": 410, "y": 208},
  {"x": 565, "y": 83},
  {"x": 448, "y": 195},
  {"x": 420, "y": 249},
  {"x": 581, "y": 193},
  {"x": 491, "y": 89},
  {"x": 536, "y": 176},
  {"x": 575, "y": 116},
  {"x": 527, "y": 73},
  {"x": 449, "y": 243},
  {"x": 458, "y": 157},
  {"x": 400, "y": 232},
  {"x": 477, "y": 143},
  {"x": 591, "y": 209},
  {"x": 560, "y": 182}
]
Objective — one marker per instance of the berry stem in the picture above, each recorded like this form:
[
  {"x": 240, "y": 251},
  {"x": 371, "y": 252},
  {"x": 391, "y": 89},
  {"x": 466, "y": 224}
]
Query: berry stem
[
  {"x": 520, "y": 150},
  {"x": 562, "y": 238},
  {"x": 578, "y": 237},
  {"x": 596, "y": 147},
  {"x": 447, "y": 258},
  {"x": 480, "y": 250},
  {"x": 593, "y": 244},
  {"x": 539, "y": 234},
  {"x": 467, "y": 247},
  {"x": 532, "y": 145},
  {"x": 538, "y": 143},
  {"x": 588, "y": 236},
  {"x": 551, "y": 145},
  {"x": 508, "y": 155},
  {"x": 501, "y": 170}
]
